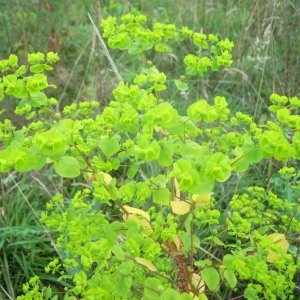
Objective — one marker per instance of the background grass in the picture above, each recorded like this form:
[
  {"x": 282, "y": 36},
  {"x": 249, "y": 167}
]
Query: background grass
[
  {"x": 266, "y": 59},
  {"x": 25, "y": 245}
]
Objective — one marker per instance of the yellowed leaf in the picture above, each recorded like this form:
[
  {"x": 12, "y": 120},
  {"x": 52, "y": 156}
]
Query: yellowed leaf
[
  {"x": 161, "y": 130},
  {"x": 140, "y": 217},
  {"x": 198, "y": 283},
  {"x": 281, "y": 245},
  {"x": 93, "y": 177},
  {"x": 146, "y": 263},
  {"x": 137, "y": 211},
  {"x": 177, "y": 190},
  {"x": 177, "y": 243},
  {"x": 201, "y": 199},
  {"x": 107, "y": 178},
  {"x": 180, "y": 207}
]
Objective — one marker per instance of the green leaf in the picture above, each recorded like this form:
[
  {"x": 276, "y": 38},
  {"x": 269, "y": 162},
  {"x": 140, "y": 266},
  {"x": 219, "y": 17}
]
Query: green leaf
[
  {"x": 126, "y": 267},
  {"x": 211, "y": 278},
  {"x": 20, "y": 71},
  {"x": 242, "y": 268},
  {"x": 20, "y": 89},
  {"x": 67, "y": 126},
  {"x": 5, "y": 161},
  {"x": 198, "y": 110},
  {"x": 51, "y": 143},
  {"x": 135, "y": 49},
  {"x": 36, "y": 83},
  {"x": 180, "y": 85},
  {"x": 252, "y": 153},
  {"x": 170, "y": 294},
  {"x": 13, "y": 60},
  {"x": 23, "y": 160},
  {"x": 152, "y": 288},
  {"x": 31, "y": 115},
  {"x": 183, "y": 296},
  {"x": 32, "y": 159},
  {"x": 145, "y": 150},
  {"x": 15, "y": 141},
  {"x": 230, "y": 277},
  {"x": 240, "y": 165},
  {"x": 47, "y": 67},
  {"x": 35, "y": 58},
  {"x": 67, "y": 167},
  {"x": 217, "y": 241},
  {"x": 281, "y": 100},
  {"x": 120, "y": 41},
  {"x": 52, "y": 57},
  {"x": 192, "y": 148},
  {"x": 39, "y": 160},
  {"x": 200, "y": 39},
  {"x": 218, "y": 167},
  {"x": 145, "y": 45},
  {"x": 118, "y": 252},
  {"x": 161, "y": 196},
  {"x": 132, "y": 170},
  {"x": 109, "y": 146},
  {"x": 38, "y": 68},
  {"x": 159, "y": 87},
  {"x": 123, "y": 287},
  {"x": 166, "y": 156},
  {"x": 250, "y": 293},
  {"x": 163, "y": 48},
  {"x": 38, "y": 99},
  {"x": 48, "y": 292},
  {"x": 295, "y": 102},
  {"x": 9, "y": 80}
]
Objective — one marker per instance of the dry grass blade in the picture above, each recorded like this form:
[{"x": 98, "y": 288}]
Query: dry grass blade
[{"x": 106, "y": 52}]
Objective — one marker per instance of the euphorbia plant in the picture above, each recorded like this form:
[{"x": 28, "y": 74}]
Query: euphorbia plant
[{"x": 149, "y": 225}]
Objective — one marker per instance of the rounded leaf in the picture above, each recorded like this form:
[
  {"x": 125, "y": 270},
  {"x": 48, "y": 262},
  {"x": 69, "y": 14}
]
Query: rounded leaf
[
  {"x": 180, "y": 207},
  {"x": 201, "y": 199},
  {"x": 109, "y": 146},
  {"x": 280, "y": 241},
  {"x": 211, "y": 278},
  {"x": 37, "y": 99},
  {"x": 67, "y": 167},
  {"x": 161, "y": 196},
  {"x": 152, "y": 288},
  {"x": 180, "y": 85},
  {"x": 230, "y": 277}
]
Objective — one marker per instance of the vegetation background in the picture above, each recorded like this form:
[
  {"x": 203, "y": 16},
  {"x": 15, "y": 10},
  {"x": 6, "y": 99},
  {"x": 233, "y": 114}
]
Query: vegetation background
[{"x": 266, "y": 58}]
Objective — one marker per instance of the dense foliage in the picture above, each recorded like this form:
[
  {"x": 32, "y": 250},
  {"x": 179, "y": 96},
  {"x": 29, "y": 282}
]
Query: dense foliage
[{"x": 148, "y": 223}]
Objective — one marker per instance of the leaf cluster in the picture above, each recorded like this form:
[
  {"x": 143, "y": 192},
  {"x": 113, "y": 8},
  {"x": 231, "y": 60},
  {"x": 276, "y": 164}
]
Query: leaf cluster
[{"x": 148, "y": 226}]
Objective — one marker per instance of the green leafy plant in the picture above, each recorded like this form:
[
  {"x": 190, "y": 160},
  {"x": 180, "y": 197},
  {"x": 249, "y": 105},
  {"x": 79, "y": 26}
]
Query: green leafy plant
[{"x": 150, "y": 226}]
